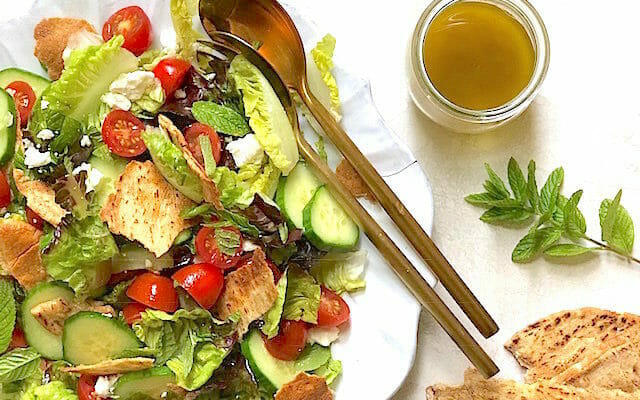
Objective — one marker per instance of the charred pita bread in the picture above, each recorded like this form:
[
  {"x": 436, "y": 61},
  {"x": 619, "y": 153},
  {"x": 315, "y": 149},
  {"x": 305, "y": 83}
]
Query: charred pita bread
[
  {"x": 305, "y": 387},
  {"x": 551, "y": 345},
  {"x": 112, "y": 367},
  {"x": 249, "y": 291},
  {"x": 40, "y": 198},
  {"x": 209, "y": 189},
  {"x": 19, "y": 252},
  {"x": 52, "y": 314},
  {"x": 146, "y": 208}
]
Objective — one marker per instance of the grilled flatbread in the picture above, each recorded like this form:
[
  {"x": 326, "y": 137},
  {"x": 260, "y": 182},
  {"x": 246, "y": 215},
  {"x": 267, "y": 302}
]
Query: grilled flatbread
[
  {"x": 112, "y": 367},
  {"x": 52, "y": 314},
  {"x": 40, "y": 198},
  {"x": 305, "y": 387},
  {"x": 19, "y": 252}
]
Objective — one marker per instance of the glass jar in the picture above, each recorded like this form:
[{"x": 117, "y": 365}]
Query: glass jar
[{"x": 465, "y": 120}]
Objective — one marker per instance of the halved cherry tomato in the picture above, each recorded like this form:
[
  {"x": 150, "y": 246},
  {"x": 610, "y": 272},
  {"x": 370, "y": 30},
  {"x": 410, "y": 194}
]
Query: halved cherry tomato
[
  {"x": 34, "y": 219},
  {"x": 132, "y": 23},
  {"x": 131, "y": 312},
  {"x": 5, "y": 191},
  {"x": 333, "y": 311},
  {"x": 207, "y": 248},
  {"x": 24, "y": 97},
  {"x": 290, "y": 341},
  {"x": 122, "y": 133},
  {"x": 154, "y": 291},
  {"x": 86, "y": 388},
  {"x": 192, "y": 135},
  {"x": 171, "y": 72},
  {"x": 203, "y": 282},
  {"x": 17, "y": 339}
]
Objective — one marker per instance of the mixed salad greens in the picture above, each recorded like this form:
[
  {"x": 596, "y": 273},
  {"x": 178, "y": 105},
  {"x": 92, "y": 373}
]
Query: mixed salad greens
[{"x": 159, "y": 236}]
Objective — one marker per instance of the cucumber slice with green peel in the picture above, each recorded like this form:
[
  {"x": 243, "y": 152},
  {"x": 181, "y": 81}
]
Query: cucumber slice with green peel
[
  {"x": 37, "y": 336},
  {"x": 133, "y": 257},
  {"x": 295, "y": 191},
  {"x": 7, "y": 127},
  {"x": 327, "y": 225},
  {"x": 151, "y": 382},
  {"x": 90, "y": 337},
  {"x": 38, "y": 83}
]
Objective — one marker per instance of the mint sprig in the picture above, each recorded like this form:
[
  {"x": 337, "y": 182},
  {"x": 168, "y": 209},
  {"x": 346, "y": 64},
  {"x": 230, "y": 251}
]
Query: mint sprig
[
  {"x": 18, "y": 364},
  {"x": 559, "y": 227},
  {"x": 7, "y": 313}
]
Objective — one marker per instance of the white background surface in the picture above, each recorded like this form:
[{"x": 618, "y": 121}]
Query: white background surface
[{"x": 586, "y": 118}]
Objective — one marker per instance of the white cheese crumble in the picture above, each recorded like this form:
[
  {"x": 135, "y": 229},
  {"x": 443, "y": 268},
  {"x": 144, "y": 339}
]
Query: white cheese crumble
[
  {"x": 248, "y": 245},
  {"x": 133, "y": 85},
  {"x": 116, "y": 100},
  {"x": 246, "y": 150},
  {"x": 93, "y": 176},
  {"x": 323, "y": 336},
  {"x": 44, "y": 104},
  {"x": 85, "y": 141},
  {"x": 104, "y": 385},
  {"x": 34, "y": 158},
  {"x": 45, "y": 134},
  {"x": 26, "y": 143},
  {"x": 11, "y": 92}
]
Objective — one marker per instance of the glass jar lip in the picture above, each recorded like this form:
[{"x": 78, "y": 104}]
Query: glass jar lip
[{"x": 525, "y": 13}]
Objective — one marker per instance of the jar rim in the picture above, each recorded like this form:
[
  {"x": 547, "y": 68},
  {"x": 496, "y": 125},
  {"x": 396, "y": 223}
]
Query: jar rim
[{"x": 531, "y": 20}]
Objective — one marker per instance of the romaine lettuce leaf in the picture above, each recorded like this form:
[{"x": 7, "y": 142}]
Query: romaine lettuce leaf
[
  {"x": 322, "y": 83},
  {"x": 273, "y": 316},
  {"x": 330, "y": 371},
  {"x": 303, "y": 296},
  {"x": 341, "y": 272},
  {"x": 55, "y": 390},
  {"x": 79, "y": 257},
  {"x": 182, "y": 14},
  {"x": 267, "y": 116},
  {"x": 238, "y": 188}
]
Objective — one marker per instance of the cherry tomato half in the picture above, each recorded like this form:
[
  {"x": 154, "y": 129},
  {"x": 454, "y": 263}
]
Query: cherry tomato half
[
  {"x": 86, "y": 388},
  {"x": 154, "y": 291},
  {"x": 207, "y": 248},
  {"x": 5, "y": 191},
  {"x": 24, "y": 97},
  {"x": 132, "y": 311},
  {"x": 192, "y": 136},
  {"x": 171, "y": 73},
  {"x": 17, "y": 339},
  {"x": 333, "y": 311},
  {"x": 34, "y": 219},
  {"x": 132, "y": 23},
  {"x": 122, "y": 133},
  {"x": 290, "y": 341},
  {"x": 203, "y": 282}
]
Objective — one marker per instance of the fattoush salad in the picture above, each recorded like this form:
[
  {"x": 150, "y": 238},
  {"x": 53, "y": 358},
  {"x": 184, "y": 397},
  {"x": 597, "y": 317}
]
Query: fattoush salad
[{"x": 160, "y": 237}]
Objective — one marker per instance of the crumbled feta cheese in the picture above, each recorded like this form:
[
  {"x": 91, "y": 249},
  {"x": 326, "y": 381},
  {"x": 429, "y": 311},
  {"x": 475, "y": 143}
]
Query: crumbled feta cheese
[
  {"x": 85, "y": 141},
  {"x": 26, "y": 143},
  {"x": 133, "y": 85},
  {"x": 44, "y": 104},
  {"x": 249, "y": 245},
  {"x": 246, "y": 150},
  {"x": 180, "y": 94},
  {"x": 45, "y": 134},
  {"x": 116, "y": 100},
  {"x": 80, "y": 40},
  {"x": 93, "y": 176},
  {"x": 34, "y": 158},
  {"x": 324, "y": 336},
  {"x": 104, "y": 385}
]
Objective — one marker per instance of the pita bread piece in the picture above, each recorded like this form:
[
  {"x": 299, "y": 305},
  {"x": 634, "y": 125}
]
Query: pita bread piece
[
  {"x": 52, "y": 35},
  {"x": 19, "y": 252},
  {"x": 52, "y": 314},
  {"x": 249, "y": 291},
  {"x": 348, "y": 176},
  {"x": 112, "y": 367},
  {"x": 553, "y": 344},
  {"x": 146, "y": 208},
  {"x": 305, "y": 387},
  {"x": 40, "y": 198}
]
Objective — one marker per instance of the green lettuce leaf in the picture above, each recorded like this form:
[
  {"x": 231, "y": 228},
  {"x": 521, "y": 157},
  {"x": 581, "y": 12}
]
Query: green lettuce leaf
[
  {"x": 312, "y": 357},
  {"x": 55, "y": 390},
  {"x": 322, "y": 83},
  {"x": 303, "y": 296},
  {"x": 266, "y": 114},
  {"x": 341, "y": 272},
  {"x": 273, "y": 316},
  {"x": 182, "y": 14},
  {"x": 150, "y": 102},
  {"x": 193, "y": 374},
  {"x": 330, "y": 371},
  {"x": 81, "y": 254}
]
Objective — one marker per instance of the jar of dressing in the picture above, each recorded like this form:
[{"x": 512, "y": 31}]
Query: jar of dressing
[{"x": 476, "y": 64}]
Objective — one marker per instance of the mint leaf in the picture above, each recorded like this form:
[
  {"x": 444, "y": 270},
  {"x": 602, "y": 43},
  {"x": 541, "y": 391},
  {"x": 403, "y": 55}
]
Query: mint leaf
[
  {"x": 567, "y": 250},
  {"x": 7, "y": 314},
  {"x": 532, "y": 186},
  {"x": 558, "y": 212},
  {"x": 222, "y": 119},
  {"x": 505, "y": 214},
  {"x": 617, "y": 225},
  {"x": 574, "y": 223},
  {"x": 488, "y": 200},
  {"x": 494, "y": 185},
  {"x": 516, "y": 180},
  {"x": 228, "y": 241},
  {"x": 533, "y": 242},
  {"x": 550, "y": 190},
  {"x": 18, "y": 364}
]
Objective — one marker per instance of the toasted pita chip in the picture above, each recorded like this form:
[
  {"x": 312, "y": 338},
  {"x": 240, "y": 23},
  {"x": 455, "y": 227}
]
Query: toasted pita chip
[
  {"x": 19, "y": 252},
  {"x": 555, "y": 343},
  {"x": 144, "y": 207},
  {"x": 209, "y": 189},
  {"x": 305, "y": 387},
  {"x": 40, "y": 198},
  {"x": 52, "y": 35},
  {"x": 475, "y": 387},
  {"x": 249, "y": 291},
  {"x": 352, "y": 180},
  {"x": 52, "y": 314},
  {"x": 112, "y": 367}
]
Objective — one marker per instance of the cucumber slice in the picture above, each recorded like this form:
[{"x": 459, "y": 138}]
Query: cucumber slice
[
  {"x": 37, "y": 82},
  {"x": 133, "y": 257},
  {"x": 45, "y": 342},
  {"x": 151, "y": 382},
  {"x": 7, "y": 127},
  {"x": 90, "y": 337},
  {"x": 327, "y": 225},
  {"x": 295, "y": 191}
]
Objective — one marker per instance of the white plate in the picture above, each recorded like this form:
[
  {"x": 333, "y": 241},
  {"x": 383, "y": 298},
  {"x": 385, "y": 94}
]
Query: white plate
[{"x": 378, "y": 349}]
